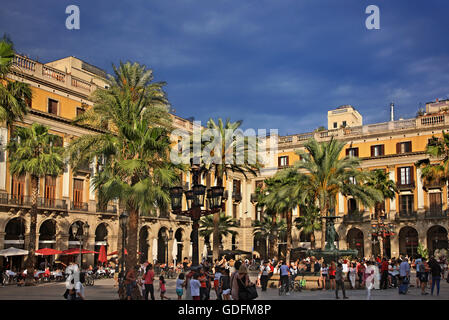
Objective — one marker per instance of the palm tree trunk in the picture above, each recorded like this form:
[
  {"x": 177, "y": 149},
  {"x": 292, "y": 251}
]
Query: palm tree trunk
[
  {"x": 131, "y": 258},
  {"x": 274, "y": 241},
  {"x": 216, "y": 232},
  {"x": 312, "y": 240},
  {"x": 30, "y": 262},
  {"x": 323, "y": 228},
  {"x": 289, "y": 236}
]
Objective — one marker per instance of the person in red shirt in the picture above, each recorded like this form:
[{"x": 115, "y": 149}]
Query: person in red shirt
[
  {"x": 148, "y": 281},
  {"x": 384, "y": 274}
]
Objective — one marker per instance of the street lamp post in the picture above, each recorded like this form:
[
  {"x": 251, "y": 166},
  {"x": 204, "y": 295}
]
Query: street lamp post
[
  {"x": 123, "y": 221},
  {"x": 166, "y": 240},
  {"x": 195, "y": 201},
  {"x": 380, "y": 231}
]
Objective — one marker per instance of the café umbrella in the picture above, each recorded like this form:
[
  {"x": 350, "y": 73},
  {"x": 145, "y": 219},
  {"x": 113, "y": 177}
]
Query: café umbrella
[
  {"x": 13, "y": 252},
  {"x": 102, "y": 257},
  {"x": 76, "y": 251},
  {"x": 48, "y": 252}
]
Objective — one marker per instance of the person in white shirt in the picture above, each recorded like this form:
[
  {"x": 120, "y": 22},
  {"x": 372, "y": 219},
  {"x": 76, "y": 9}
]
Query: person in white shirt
[
  {"x": 195, "y": 287},
  {"x": 79, "y": 288},
  {"x": 263, "y": 275},
  {"x": 369, "y": 276}
]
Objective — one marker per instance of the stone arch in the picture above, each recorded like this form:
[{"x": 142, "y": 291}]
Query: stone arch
[
  {"x": 437, "y": 238},
  {"x": 47, "y": 233},
  {"x": 15, "y": 230},
  {"x": 144, "y": 246},
  {"x": 355, "y": 240},
  {"x": 161, "y": 246},
  {"x": 408, "y": 241},
  {"x": 179, "y": 236}
]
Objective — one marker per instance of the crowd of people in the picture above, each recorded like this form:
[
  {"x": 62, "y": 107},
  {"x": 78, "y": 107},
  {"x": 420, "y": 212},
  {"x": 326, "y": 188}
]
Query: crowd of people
[{"x": 227, "y": 277}]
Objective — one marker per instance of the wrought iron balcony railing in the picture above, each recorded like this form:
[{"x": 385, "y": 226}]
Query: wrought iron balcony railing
[
  {"x": 436, "y": 214},
  {"x": 405, "y": 186},
  {"x": 237, "y": 197},
  {"x": 26, "y": 201},
  {"x": 79, "y": 206},
  {"x": 353, "y": 217},
  {"x": 107, "y": 208},
  {"x": 406, "y": 215}
]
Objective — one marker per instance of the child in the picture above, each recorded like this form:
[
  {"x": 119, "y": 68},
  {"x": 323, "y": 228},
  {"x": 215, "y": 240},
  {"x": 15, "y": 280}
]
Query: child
[
  {"x": 225, "y": 285},
  {"x": 195, "y": 287},
  {"x": 162, "y": 288},
  {"x": 179, "y": 284}
]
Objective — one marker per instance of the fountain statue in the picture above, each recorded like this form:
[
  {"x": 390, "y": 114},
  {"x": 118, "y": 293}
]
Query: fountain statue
[{"x": 330, "y": 251}]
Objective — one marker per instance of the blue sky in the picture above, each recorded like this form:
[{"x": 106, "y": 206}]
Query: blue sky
[{"x": 272, "y": 63}]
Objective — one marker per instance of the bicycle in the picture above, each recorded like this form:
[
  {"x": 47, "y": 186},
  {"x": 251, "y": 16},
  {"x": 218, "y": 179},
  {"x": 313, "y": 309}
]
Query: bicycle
[
  {"x": 283, "y": 288},
  {"x": 89, "y": 280}
]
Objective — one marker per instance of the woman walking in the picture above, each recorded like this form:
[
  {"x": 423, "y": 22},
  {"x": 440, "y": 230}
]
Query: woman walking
[
  {"x": 435, "y": 270},
  {"x": 323, "y": 276},
  {"x": 352, "y": 274}
]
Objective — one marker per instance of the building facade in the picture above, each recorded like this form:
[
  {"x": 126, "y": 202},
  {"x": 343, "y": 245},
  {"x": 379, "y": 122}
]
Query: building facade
[{"x": 61, "y": 91}]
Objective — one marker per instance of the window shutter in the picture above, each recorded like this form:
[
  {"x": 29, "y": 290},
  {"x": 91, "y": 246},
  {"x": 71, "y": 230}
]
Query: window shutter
[
  {"x": 287, "y": 160},
  {"x": 409, "y": 149},
  {"x": 356, "y": 152},
  {"x": 372, "y": 151},
  {"x": 412, "y": 169},
  {"x": 382, "y": 149},
  {"x": 279, "y": 161},
  {"x": 347, "y": 152},
  {"x": 399, "y": 175},
  {"x": 398, "y": 148}
]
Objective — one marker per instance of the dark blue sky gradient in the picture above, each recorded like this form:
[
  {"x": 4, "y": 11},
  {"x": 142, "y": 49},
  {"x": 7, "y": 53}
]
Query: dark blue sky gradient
[{"x": 273, "y": 63}]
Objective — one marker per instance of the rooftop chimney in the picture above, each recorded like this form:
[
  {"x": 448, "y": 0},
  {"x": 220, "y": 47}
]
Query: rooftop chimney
[{"x": 392, "y": 111}]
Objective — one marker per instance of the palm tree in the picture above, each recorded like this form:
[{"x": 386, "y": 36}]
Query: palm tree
[
  {"x": 225, "y": 226},
  {"x": 34, "y": 152},
  {"x": 14, "y": 95},
  {"x": 269, "y": 228},
  {"x": 134, "y": 151},
  {"x": 228, "y": 161},
  {"x": 278, "y": 199},
  {"x": 309, "y": 221},
  {"x": 323, "y": 174},
  {"x": 438, "y": 149}
]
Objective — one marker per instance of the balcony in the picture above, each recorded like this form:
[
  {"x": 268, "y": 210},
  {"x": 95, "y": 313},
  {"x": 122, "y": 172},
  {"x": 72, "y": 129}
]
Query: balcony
[
  {"x": 79, "y": 206},
  {"x": 436, "y": 214},
  {"x": 237, "y": 197},
  {"x": 405, "y": 186},
  {"x": 433, "y": 184},
  {"x": 253, "y": 198},
  {"x": 353, "y": 217},
  {"x": 52, "y": 203},
  {"x": 406, "y": 216},
  {"x": 25, "y": 201},
  {"x": 107, "y": 209}
]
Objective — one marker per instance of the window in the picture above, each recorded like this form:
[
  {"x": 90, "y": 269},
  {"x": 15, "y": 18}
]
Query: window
[
  {"x": 52, "y": 106},
  {"x": 406, "y": 204},
  {"x": 435, "y": 204},
  {"x": 50, "y": 190},
  {"x": 208, "y": 180},
  {"x": 352, "y": 152},
  {"x": 18, "y": 187},
  {"x": 236, "y": 186},
  {"x": 77, "y": 193},
  {"x": 335, "y": 125},
  {"x": 405, "y": 175},
  {"x": 352, "y": 206},
  {"x": 404, "y": 147},
  {"x": 344, "y": 124},
  {"x": 352, "y": 180},
  {"x": 80, "y": 111},
  {"x": 259, "y": 212},
  {"x": 234, "y": 211},
  {"x": 378, "y": 150},
  {"x": 283, "y": 161}
]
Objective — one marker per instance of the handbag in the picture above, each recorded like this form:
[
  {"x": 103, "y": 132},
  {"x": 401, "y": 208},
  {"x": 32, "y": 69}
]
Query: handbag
[{"x": 247, "y": 292}]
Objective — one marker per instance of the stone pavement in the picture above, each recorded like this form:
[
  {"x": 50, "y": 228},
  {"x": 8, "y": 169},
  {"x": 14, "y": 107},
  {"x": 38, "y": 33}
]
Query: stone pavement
[{"x": 104, "y": 290}]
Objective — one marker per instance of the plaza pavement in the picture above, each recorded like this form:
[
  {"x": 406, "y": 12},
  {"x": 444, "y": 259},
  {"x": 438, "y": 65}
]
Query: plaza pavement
[{"x": 104, "y": 290}]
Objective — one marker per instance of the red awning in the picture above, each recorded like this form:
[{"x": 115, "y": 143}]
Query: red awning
[
  {"x": 113, "y": 253},
  {"x": 102, "y": 256},
  {"x": 48, "y": 252},
  {"x": 77, "y": 251}
]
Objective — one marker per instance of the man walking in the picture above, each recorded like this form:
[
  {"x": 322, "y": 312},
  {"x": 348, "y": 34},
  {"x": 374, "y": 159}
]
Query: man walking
[
  {"x": 284, "y": 270},
  {"x": 264, "y": 272},
  {"x": 339, "y": 281},
  {"x": 404, "y": 276}
]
